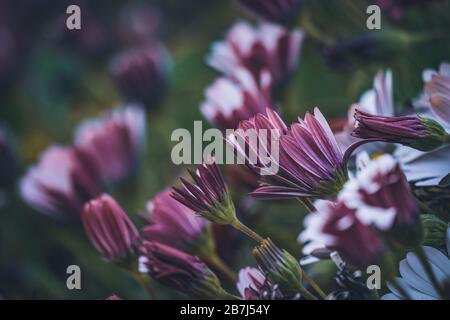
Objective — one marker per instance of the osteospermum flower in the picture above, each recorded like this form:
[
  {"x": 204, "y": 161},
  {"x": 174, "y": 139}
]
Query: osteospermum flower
[
  {"x": 230, "y": 101},
  {"x": 414, "y": 279},
  {"x": 381, "y": 195},
  {"x": 175, "y": 225},
  {"x": 339, "y": 228},
  {"x": 109, "y": 229},
  {"x": 253, "y": 285},
  {"x": 437, "y": 90},
  {"x": 180, "y": 271},
  {"x": 415, "y": 131},
  {"x": 267, "y": 46},
  {"x": 274, "y": 10},
  {"x": 376, "y": 101},
  {"x": 114, "y": 141},
  {"x": 208, "y": 196},
  {"x": 62, "y": 181},
  {"x": 309, "y": 162},
  {"x": 141, "y": 73}
]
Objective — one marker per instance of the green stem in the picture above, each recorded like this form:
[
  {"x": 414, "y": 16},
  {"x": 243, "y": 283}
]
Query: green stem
[
  {"x": 426, "y": 265},
  {"x": 218, "y": 263},
  {"x": 246, "y": 230},
  {"x": 308, "y": 295},
  {"x": 228, "y": 296},
  {"x": 313, "y": 284},
  {"x": 143, "y": 280}
]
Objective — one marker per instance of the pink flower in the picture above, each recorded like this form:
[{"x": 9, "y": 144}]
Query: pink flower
[
  {"x": 338, "y": 227},
  {"x": 62, "y": 181},
  {"x": 271, "y": 10},
  {"x": 437, "y": 90},
  {"x": 114, "y": 141},
  {"x": 267, "y": 46},
  {"x": 173, "y": 223},
  {"x": 228, "y": 101},
  {"x": 109, "y": 229},
  {"x": 141, "y": 73},
  {"x": 253, "y": 285},
  {"x": 179, "y": 270}
]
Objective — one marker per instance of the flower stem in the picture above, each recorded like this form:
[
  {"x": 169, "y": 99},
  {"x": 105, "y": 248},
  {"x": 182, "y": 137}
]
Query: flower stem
[
  {"x": 307, "y": 204},
  {"x": 426, "y": 265},
  {"x": 143, "y": 280},
  {"x": 313, "y": 284},
  {"x": 228, "y": 296},
  {"x": 246, "y": 230},
  {"x": 308, "y": 295},
  {"x": 218, "y": 263}
]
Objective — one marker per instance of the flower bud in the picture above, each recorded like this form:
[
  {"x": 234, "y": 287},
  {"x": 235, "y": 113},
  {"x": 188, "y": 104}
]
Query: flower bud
[
  {"x": 435, "y": 230},
  {"x": 109, "y": 229},
  {"x": 281, "y": 267}
]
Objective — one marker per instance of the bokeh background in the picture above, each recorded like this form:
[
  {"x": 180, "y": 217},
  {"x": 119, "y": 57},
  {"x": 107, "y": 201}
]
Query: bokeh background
[{"x": 51, "y": 79}]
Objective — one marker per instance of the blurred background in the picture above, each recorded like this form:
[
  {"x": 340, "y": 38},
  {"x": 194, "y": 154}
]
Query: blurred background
[{"x": 52, "y": 78}]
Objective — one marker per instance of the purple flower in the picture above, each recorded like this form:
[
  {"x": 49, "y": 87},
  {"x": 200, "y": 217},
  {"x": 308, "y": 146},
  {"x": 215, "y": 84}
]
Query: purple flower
[
  {"x": 141, "y": 73},
  {"x": 179, "y": 270},
  {"x": 417, "y": 132},
  {"x": 62, "y": 182},
  {"x": 253, "y": 285},
  {"x": 208, "y": 196},
  {"x": 381, "y": 195},
  {"x": 437, "y": 90},
  {"x": 174, "y": 224},
  {"x": 109, "y": 229},
  {"x": 267, "y": 46},
  {"x": 271, "y": 10},
  {"x": 309, "y": 161},
  {"x": 228, "y": 101},
  {"x": 339, "y": 228},
  {"x": 114, "y": 141}
]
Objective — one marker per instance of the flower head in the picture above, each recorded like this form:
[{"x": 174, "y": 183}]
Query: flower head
[
  {"x": 339, "y": 228},
  {"x": 175, "y": 225},
  {"x": 62, "y": 182},
  {"x": 437, "y": 90},
  {"x": 109, "y": 229},
  {"x": 414, "y": 131},
  {"x": 253, "y": 285},
  {"x": 208, "y": 196},
  {"x": 141, "y": 73},
  {"x": 276, "y": 10},
  {"x": 179, "y": 270},
  {"x": 308, "y": 159},
  {"x": 280, "y": 266},
  {"x": 230, "y": 101},
  {"x": 267, "y": 46},
  {"x": 114, "y": 141}
]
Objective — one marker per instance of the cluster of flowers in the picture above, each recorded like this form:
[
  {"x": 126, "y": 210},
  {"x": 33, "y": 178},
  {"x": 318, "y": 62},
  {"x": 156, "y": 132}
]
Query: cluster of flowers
[{"x": 357, "y": 218}]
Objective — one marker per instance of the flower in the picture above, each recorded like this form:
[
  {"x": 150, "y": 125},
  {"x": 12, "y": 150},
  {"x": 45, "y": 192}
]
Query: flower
[
  {"x": 228, "y": 101},
  {"x": 276, "y": 10},
  {"x": 339, "y": 228},
  {"x": 308, "y": 159},
  {"x": 176, "y": 225},
  {"x": 109, "y": 229},
  {"x": 415, "y": 281},
  {"x": 179, "y": 270},
  {"x": 253, "y": 285},
  {"x": 62, "y": 182},
  {"x": 437, "y": 90},
  {"x": 424, "y": 169},
  {"x": 8, "y": 162},
  {"x": 141, "y": 73},
  {"x": 376, "y": 101},
  {"x": 208, "y": 196},
  {"x": 415, "y": 131},
  {"x": 114, "y": 141},
  {"x": 280, "y": 266},
  {"x": 267, "y": 46}
]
